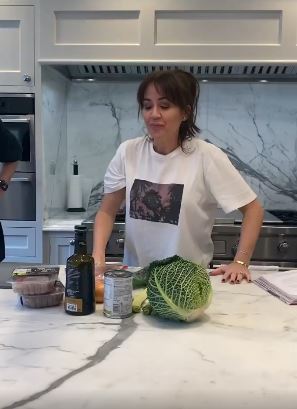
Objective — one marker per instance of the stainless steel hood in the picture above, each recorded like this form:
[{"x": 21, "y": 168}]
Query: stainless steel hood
[{"x": 215, "y": 72}]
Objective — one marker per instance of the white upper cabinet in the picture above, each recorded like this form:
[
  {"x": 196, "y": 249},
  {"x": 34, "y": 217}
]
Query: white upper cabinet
[
  {"x": 168, "y": 30},
  {"x": 17, "y": 45}
]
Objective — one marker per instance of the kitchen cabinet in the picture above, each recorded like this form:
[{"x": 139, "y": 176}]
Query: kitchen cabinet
[
  {"x": 17, "y": 45},
  {"x": 20, "y": 243},
  {"x": 187, "y": 30},
  {"x": 57, "y": 247}
]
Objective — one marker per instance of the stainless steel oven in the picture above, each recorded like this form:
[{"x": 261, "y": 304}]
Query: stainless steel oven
[
  {"x": 277, "y": 243},
  {"x": 17, "y": 113}
]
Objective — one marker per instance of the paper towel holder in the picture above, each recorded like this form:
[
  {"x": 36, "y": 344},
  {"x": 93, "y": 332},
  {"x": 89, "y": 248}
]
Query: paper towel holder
[{"x": 74, "y": 199}]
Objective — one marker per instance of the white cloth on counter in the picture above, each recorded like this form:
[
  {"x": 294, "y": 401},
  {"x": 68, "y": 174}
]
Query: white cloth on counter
[{"x": 171, "y": 200}]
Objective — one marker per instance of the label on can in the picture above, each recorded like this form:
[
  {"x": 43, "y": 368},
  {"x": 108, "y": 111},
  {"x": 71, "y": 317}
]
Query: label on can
[{"x": 117, "y": 294}]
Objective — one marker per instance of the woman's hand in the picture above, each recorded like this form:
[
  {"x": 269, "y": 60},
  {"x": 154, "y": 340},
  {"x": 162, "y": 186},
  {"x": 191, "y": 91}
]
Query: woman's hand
[
  {"x": 100, "y": 269},
  {"x": 233, "y": 272}
]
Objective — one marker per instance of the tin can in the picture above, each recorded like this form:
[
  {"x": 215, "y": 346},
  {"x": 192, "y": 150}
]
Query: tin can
[{"x": 117, "y": 294}]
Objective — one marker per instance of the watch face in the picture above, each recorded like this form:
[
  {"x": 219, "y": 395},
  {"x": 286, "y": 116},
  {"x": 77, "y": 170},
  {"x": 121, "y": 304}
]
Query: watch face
[{"x": 3, "y": 185}]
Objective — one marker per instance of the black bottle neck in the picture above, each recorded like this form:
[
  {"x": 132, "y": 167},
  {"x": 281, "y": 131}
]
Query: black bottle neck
[{"x": 80, "y": 244}]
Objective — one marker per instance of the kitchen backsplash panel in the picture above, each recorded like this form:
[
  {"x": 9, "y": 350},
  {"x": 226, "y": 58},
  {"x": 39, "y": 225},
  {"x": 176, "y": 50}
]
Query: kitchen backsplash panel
[
  {"x": 54, "y": 129},
  {"x": 255, "y": 124}
]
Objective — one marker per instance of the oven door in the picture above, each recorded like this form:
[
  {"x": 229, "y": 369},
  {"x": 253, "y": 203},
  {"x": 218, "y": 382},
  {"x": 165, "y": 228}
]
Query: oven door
[
  {"x": 18, "y": 202},
  {"x": 22, "y": 127}
]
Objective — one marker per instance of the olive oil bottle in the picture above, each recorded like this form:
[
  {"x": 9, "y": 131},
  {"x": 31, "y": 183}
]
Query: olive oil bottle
[{"x": 80, "y": 277}]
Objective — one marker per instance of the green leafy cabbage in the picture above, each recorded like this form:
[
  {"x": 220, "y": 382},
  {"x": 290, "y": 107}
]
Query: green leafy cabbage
[{"x": 178, "y": 289}]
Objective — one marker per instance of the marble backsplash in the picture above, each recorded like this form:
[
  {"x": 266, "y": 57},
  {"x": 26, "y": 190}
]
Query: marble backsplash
[
  {"x": 254, "y": 123},
  {"x": 54, "y": 128}
]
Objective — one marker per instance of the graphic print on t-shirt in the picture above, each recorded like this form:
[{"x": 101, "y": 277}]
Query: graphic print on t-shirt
[{"x": 155, "y": 202}]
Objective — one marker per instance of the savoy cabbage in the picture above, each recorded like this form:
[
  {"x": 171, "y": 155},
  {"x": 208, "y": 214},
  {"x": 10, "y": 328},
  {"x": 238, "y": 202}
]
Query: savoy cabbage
[{"x": 177, "y": 289}]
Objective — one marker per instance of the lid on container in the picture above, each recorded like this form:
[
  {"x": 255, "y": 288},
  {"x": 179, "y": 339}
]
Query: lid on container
[
  {"x": 116, "y": 273},
  {"x": 36, "y": 271}
]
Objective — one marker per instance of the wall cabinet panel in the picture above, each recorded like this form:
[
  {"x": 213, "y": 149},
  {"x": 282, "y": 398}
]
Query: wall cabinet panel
[
  {"x": 187, "y": 30},
  {"x": 17, "y": 45}
]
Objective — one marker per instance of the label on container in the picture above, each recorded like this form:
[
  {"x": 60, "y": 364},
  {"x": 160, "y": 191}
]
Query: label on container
[{"x": 117, "y": 294}]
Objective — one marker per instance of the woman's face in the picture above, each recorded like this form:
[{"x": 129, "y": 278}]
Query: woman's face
[{"x": 162, "y": 118}]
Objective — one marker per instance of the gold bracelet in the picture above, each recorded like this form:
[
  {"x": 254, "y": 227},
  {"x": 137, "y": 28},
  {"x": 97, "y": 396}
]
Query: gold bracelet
[{"x": 242, "y": 263}]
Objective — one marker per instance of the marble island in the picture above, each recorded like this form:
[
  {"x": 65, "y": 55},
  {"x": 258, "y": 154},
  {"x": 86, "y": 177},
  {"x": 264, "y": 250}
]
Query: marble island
[{"x": 241, "y": 354}]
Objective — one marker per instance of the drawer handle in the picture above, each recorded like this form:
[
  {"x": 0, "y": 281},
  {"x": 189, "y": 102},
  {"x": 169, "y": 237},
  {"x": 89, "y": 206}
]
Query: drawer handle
[
  {"x": 72, "y": 242},
  {"x": 20, "y": 180},
  {"x": 15, "y": 120}
]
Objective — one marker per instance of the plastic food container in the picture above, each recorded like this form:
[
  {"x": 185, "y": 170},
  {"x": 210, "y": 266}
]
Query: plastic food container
[
  {"x": 33, "y": 280},
  {"x": 44, "y": 300}
]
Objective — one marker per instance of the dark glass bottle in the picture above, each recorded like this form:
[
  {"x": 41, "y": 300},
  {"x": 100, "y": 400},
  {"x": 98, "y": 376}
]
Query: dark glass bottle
[{"x": 80, "y": 277}]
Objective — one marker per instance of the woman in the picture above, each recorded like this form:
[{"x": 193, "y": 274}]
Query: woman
[
  {"x": 172, "y": 183},
  {"x": 10, "y": 153}
]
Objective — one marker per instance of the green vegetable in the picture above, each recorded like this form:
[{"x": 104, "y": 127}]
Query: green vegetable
[
  {"x": 140, "y": 278},
  {"x": 146, "y": 307},
  {"x": 178, "y": 289},
  {"x": 139, "y": 298}
]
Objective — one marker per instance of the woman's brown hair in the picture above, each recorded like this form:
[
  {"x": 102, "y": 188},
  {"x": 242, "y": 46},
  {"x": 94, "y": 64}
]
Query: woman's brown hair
[{"x": 182, "y": 89}]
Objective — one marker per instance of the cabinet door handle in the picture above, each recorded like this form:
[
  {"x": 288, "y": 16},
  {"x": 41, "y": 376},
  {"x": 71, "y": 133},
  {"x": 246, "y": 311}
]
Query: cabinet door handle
[
  {"x": 72, "y": 242},
  {"x": 27, "y": 78},
  {"x": 15, "y": 120},
  {"x": 20, "y": 180}
]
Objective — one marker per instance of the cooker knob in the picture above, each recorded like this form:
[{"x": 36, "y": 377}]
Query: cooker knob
[
  {"x": 120, "y": 242},
  {"x": 283, "y": 247},
  {"x": 234, "y": 249}
]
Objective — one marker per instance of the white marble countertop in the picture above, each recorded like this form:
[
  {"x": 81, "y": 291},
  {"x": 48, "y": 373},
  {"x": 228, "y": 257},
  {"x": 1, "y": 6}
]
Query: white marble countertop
[
  {"x": 63, "y": 221},
  {"x": 242, "y": 354}
]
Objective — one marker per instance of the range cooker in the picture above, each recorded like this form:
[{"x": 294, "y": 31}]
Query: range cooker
[{"x": 277, "y": 243}]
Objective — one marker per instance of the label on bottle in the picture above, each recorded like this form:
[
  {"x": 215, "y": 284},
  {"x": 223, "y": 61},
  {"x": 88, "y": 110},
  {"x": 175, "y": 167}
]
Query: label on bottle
[
  {"x": 73, "y": 304},
  {"x": 73, "y": 300}
]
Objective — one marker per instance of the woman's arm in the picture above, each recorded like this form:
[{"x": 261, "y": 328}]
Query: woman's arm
[
  {"x": 8, "y": 170},
  {"x": 250, "y": 230},
  {"x": 103, "y": 225},
  {"x": 6, "y": 173}
]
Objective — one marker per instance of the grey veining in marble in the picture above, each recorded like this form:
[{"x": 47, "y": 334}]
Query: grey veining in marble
[
  {"x": 125, "y": 329},
  {"x": 239, "y": 355},
  {"x": 254, "y": 123}
]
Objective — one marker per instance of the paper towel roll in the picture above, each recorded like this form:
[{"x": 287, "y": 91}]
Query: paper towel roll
[{"x": 74, "y": 200}]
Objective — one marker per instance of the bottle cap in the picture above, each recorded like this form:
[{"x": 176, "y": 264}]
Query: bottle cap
[{"x": 80, "y": 228}]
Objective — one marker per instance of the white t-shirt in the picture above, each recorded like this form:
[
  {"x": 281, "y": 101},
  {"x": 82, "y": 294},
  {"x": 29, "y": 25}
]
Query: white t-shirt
[{"x": 171, "y": 200}]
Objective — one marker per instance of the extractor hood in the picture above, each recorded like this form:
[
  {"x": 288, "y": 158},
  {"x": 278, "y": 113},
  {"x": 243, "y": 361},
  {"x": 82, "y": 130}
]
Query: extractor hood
[{"x": 215, "y": 72}]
